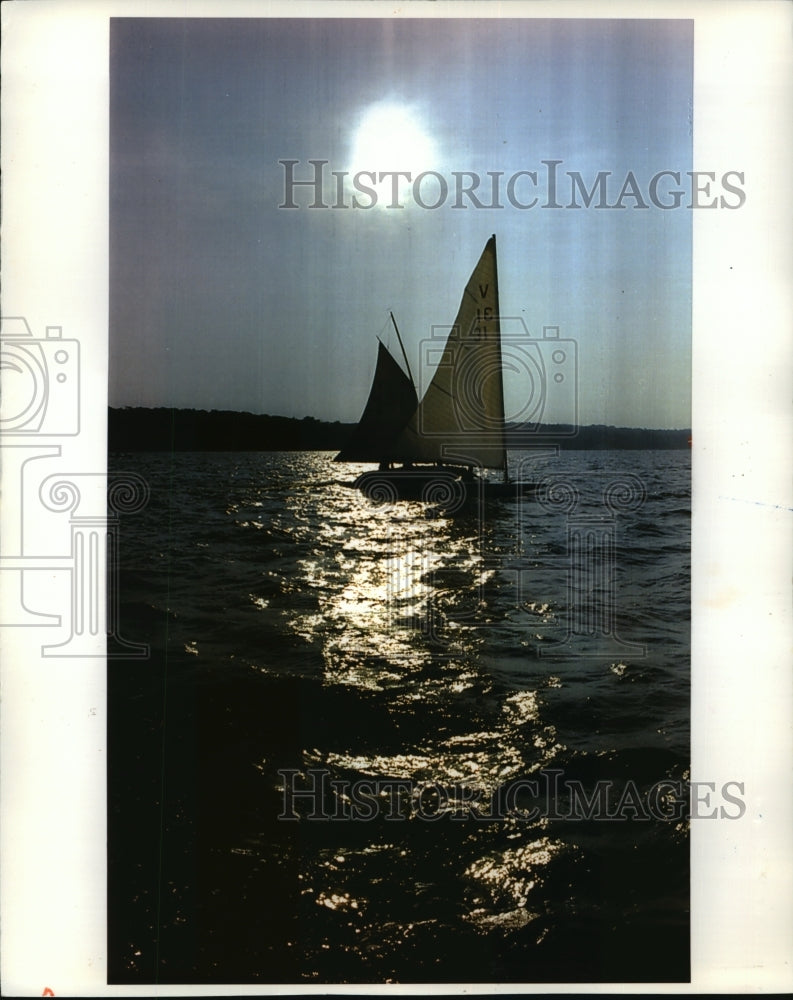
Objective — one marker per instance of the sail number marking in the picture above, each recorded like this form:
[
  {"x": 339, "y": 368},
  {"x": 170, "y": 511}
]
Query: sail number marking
[{"x": 483, "y": 316}]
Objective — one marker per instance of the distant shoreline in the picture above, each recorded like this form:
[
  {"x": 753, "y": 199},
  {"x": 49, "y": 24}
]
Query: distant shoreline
[{"x": 164, "y": 429}]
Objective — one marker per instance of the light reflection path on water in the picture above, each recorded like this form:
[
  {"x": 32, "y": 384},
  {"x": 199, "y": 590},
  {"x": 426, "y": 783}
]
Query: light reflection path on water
[
  {"x": 402, "y": 595},
  {"x": 402, "y": 598},
  {"x": 322, "y": 631}
]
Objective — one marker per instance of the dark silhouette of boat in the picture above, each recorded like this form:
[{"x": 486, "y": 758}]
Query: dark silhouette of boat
[{"x": 436, "y": 449}]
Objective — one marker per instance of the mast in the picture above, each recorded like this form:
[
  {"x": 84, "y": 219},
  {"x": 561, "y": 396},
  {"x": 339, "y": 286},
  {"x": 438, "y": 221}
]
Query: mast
[
  {"x": 501, "y": 363},
  {"x": 404, "y": 352}
]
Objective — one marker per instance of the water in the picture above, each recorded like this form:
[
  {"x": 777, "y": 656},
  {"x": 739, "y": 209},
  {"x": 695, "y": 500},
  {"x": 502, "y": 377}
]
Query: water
[{"x": 296, "y": 626}]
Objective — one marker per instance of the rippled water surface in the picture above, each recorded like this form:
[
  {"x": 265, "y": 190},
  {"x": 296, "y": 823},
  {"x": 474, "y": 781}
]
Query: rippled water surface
[{"x": 302, "y": 635}]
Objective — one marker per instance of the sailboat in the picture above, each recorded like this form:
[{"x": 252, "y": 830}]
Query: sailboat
[{"x": 438, "y": 447}]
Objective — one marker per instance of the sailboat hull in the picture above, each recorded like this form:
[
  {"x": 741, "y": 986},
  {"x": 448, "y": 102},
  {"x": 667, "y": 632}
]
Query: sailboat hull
[{"x": 449, "y": 489}]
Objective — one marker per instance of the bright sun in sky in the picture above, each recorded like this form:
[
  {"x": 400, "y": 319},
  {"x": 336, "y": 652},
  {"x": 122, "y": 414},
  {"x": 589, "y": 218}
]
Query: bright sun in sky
[{"x": 391, "y": 137}]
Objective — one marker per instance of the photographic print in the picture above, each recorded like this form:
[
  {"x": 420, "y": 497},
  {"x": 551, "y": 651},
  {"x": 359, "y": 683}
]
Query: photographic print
[
  {"x": 416, "y": 707},
  {"x": 383, "y": 602}
]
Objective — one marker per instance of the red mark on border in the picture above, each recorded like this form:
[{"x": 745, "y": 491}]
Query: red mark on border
[{"x": 47, "y": 992}]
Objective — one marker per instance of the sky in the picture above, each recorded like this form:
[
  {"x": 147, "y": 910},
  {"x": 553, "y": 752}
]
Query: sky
[{"x": 222, "y": 299}]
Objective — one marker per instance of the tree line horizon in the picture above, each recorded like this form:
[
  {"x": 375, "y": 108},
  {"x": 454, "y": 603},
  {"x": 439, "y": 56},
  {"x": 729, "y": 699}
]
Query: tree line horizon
[{"x": 175, "y": 429}]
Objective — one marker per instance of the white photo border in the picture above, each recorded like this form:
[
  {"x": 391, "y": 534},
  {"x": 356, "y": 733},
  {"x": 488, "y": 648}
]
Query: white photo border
[{"x": 55, "y": 240}]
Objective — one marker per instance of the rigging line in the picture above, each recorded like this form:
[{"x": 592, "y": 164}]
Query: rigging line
[
  {"x": 404, "y": 352},
  {"x": 382, "y": 333}
]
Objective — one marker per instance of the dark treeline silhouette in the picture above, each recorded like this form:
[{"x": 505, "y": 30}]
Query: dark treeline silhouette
[
  {"x": 599, "y": 436},
  {"x": 163, "y": 429}
]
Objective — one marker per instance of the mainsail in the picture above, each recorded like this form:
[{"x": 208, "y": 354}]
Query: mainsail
[
  {"x": 461, "y": 417},
  {"x": 392, "y": 401}
]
